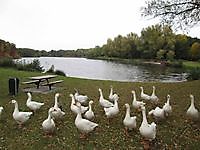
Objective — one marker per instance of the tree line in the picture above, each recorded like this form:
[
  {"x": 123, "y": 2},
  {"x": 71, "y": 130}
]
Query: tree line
[{"x": 155, "y": 42}]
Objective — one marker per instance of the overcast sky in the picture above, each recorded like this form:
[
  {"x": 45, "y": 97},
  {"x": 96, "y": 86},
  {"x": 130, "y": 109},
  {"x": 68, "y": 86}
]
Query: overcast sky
[{"x": 70, "y": 24}]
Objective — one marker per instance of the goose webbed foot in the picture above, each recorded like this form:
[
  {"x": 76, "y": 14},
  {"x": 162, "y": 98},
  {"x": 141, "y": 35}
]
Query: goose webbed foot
[
  {"x": 48, "y": 134},
  {"x": 83, "y": 136},
  {"x": 126, "y": 132},
  {"x": 146, "y": 144}
]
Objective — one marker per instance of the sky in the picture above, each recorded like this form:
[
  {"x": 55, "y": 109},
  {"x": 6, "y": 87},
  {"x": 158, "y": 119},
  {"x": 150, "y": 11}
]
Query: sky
[{"x": 71, "y": 24}]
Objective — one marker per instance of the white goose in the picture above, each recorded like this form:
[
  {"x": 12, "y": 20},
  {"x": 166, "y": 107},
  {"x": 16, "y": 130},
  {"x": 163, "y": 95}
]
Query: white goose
[
  {"x": 1, "y": 110},
  {"x": 89, "y": 114},
  {"x": 80, "y": 98},
  {"x": 148, "y": 131},
  {"x": 153, "y": 96},
  {"x": 129, "y": 122},
  {"x": 20, "y": 116},
  {"x": 112, "y": 96},
  {"x": 158, "y": 113},
  {"x": 75, "y": 108},
  {"x": 48, "y": 124},
  {"x": 84, "y": 126},
  {"x": 103, "y": 102},
  {"x": 143, "y": 95},
  {"x": 192, "y": 112},
  {"x": 32, "y": 104},
  {"x": 167, "y": 107},
  {"x": 136, "y": 104},
  {"x": 112, "y": 111},
  {"x": 57, "y": 113}
]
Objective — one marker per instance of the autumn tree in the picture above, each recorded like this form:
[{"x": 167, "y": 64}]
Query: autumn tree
[
  {"x": 180, "y": 13},
  {"x": 195, "y": 51}
]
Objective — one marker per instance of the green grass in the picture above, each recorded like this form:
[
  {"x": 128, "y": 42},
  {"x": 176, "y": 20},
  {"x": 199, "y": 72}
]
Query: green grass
[
  {"x": 191, "y": 64},
  {"x": 174, "y": 133}
]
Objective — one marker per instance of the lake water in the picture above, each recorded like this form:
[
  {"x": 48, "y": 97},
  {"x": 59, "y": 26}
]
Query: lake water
[{"x": 109, "y": 70}]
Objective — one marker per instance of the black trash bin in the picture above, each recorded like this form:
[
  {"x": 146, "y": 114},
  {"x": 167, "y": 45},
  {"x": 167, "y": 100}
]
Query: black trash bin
[{"x": 13, "y": 86}]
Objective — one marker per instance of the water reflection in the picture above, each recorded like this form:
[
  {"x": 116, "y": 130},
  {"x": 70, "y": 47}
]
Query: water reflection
[{"x": 109, "y": 70}]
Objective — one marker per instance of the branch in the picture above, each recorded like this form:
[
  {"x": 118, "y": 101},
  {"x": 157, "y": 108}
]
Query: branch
[{"x": 179, "y": 4}]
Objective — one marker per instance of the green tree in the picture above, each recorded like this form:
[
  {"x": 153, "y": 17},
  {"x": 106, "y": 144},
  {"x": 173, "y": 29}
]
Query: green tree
[
  {"x": 170, "y": 55},
  {"x": 180, "y": 13},
  {"x": 195, "y": 51},
  {"x": 161, "y": 54},
  {"x": 182, "y": 46},
  {"x": 154, "y": 38}
]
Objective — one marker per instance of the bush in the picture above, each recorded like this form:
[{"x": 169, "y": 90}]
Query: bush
[
  {"x": 33, "y": 66},
  {"x": 59, "y": 72},
  {"x": 7, "y": 62},
  {"x": 194, "y": 74},
  {"x": 176, "y": 64}
]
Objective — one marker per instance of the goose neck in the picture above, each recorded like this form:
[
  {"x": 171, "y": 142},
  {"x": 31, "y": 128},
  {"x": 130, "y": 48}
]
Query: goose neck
[
  {"x": 168, "y": 99},
  {"x": 116, "y": 104},
  {"x": 78, "y": 117},
  {"x": 192, "y": 102},
  {"x": 101, "y": 94},
  {"x": 134, "y": 96},
  {"x": 16, "y": 108},
  {"x": 153, "y": 93},
  {"x": 49, "y": 116},
  {"x": 127, "y": 112},
  {"x": 90, "y": 107},
  {"x": 29, "y": 99},
  {"x": 144, "y": 117},
  {"x": 56, "y": 102},
  {"x": 111, "y": 91},
  {"x": 142, "y": 90},
  {"x": 73, "y": 100}
]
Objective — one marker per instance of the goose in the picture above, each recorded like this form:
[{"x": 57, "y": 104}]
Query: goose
[
  {"x": 129, "y": 122},
  {"x": 148, "y": 131},
  {"x": 80, "y": 98},
  {"x": 143, "y": 95},
  {"x": 103, "y": 102},
  {"x": 89, "y": 114},
  {"x": 167, "y": 107},
  {"x": 1, "y": 110},
  {"x": 112, "y": 96},
  {"x": 48, "y": 124},
  {"x": 58, "y": 113},
  {"x": 153, "y": 96},
  {"x": 32, "y": 104},
  {"x": 75, "y": 108},
  {"x": 112, "y": 111},
  {"x": 192, "y": 112},
  {"x": 158, "y": 113},
  {"x": 84, "y": 126},
  {"x": 20, "y": 116},
  {"x": 136, "y": 104}
]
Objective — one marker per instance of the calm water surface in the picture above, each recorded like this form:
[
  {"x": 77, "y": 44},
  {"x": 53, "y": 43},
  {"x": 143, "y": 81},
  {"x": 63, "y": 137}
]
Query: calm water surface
[{"x": 109, "y": 70}]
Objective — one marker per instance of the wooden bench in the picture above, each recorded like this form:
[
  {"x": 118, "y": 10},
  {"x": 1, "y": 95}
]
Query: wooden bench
[
  {"x": 52, "y": 83},
  {"x": 36, "y": 82},
  {"x": 31, "y": 82}
]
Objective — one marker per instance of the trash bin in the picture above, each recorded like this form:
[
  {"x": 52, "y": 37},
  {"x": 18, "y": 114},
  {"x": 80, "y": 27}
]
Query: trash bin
[{"x": 13, "y": 86}]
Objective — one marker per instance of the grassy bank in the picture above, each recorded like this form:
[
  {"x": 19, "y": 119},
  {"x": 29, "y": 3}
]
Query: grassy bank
[
  {"x": 174, "y": 133},
  {"x": 191, "y": 64}
]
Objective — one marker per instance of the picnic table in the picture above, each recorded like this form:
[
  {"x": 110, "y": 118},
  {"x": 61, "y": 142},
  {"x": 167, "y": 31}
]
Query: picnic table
[{"x": 39, "y": 79}]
